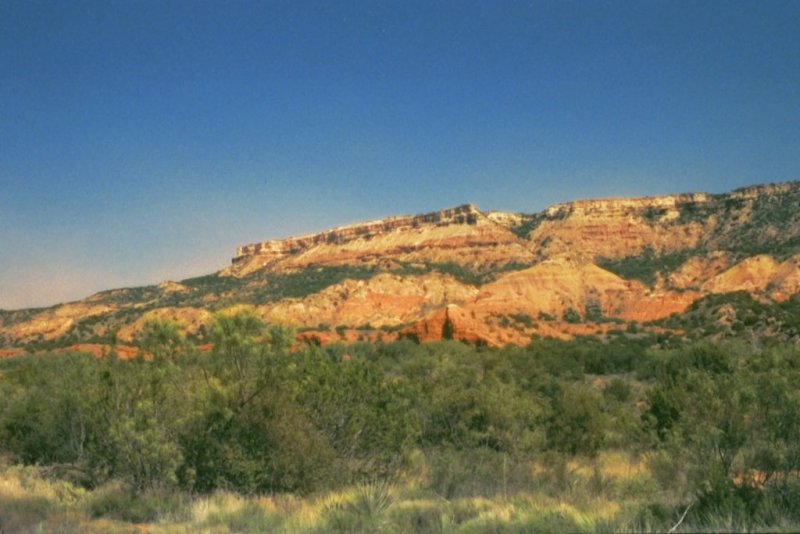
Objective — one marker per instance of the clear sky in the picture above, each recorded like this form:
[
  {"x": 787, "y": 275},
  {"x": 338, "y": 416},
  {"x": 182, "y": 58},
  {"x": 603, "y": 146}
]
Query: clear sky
[{"x": 143, "y": 140}]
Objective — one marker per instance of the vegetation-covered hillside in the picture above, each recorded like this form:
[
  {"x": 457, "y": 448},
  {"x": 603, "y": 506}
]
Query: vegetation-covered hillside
[
  {"x": 590, "y": 261},
  {"x": 402, "y": 437},
  {"x": 629, "y": 365}
]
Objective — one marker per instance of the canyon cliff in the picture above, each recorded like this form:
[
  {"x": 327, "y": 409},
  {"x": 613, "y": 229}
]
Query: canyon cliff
[{"x": 578, "y": 268}]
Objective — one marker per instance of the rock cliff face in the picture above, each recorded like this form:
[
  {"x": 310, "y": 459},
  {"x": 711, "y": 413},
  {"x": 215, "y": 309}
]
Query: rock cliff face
[
  {"x": 460, "y": 235},
  {"x": 466, "y": 214},
  {"x": 767, "y": 216},
  {"x": 386, "y": 300},
  {"x": 578, "y": 268},
  {"x": 616, "y": 228},
  {"x": 764, "y": 216}
]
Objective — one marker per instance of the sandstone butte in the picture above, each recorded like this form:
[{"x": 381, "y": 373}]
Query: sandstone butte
[{"x": 578, "y": 268}]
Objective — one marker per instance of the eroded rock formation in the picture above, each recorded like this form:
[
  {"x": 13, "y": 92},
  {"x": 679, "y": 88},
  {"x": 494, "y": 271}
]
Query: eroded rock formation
[{"x": 490, "y": 278}]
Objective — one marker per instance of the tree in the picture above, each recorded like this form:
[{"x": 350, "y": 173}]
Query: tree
[
  {"x": 249, "y": 424},
  {"x": 49, "y": 413},
  {"x": 145, "y": 410},
  {"x": 161, "y": 339}
]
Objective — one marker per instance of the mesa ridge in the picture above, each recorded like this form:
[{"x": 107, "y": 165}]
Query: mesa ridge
[
  {"x": 464, "y": 214},
  {"x": 575, "y": 268}
]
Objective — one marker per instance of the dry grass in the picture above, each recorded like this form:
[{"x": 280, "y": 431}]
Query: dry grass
[
  {"x": 617, "y": 465},
  {"x": 30, "y": 502}
]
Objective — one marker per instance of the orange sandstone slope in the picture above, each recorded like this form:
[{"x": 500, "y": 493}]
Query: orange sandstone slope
[
  {"x": 578, "y": 258},
  {"x": 483, "y": 277},
  {"x": 461, "y": 235}
]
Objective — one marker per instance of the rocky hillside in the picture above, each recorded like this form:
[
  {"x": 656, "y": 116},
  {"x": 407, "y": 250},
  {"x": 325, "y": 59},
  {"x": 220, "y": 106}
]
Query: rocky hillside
[
  {"x": 590, "y": 267},
  {"x": 461, "y": 235}
]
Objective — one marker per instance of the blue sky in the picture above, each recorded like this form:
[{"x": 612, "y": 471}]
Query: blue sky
[{"x": 142, "y": 141}]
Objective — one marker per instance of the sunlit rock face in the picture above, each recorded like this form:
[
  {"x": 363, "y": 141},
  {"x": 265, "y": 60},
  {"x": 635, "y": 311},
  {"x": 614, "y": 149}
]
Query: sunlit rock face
[
  {"x": 578, "y": 268},
  {"x": 461, "y": 235}
]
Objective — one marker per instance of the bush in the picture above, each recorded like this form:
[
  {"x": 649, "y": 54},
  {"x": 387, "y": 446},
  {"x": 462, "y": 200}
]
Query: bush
[
  {"x": 242, "y": 516},
  {"x": 571, "y": 316},
  {"x": 364, "y": 512},
  {"x": 476, "y": 473},
  {"x": 114, "y": 502},
  {"x": 618, "y": 390},
  {"x": 575, "y": 424},
  {"x": 553, "y": 522},
  {"x": 653, "y": 517},
  {"x": 422, "y": 517}
]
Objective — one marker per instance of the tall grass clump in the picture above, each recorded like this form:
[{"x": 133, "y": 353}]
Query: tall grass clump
[{"x": 364, "y": 510}]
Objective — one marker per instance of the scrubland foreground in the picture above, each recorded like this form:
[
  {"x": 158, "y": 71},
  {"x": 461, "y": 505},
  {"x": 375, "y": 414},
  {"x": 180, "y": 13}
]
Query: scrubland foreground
[{"x": 636, "y": 433}]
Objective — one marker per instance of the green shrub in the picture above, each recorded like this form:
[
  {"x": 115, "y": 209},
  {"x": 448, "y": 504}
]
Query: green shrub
[
  {"x": 115, "y": 502},
  {"x": 425, "y": 518},
  {"x": 645, "y": 266},
  {"x": 618, "y": 389},
  {"x": 653, "y": 517},
  {"x": 365, "y": 512},
  {"x": 544, "y": 316},
  {"x": 553, "y": 522},
  {"x": 571, "y": 316},
  {"x": 476, "y": 473},
  {"x": 21, "y": 514},
  {"x": 249, "y": 517}
]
